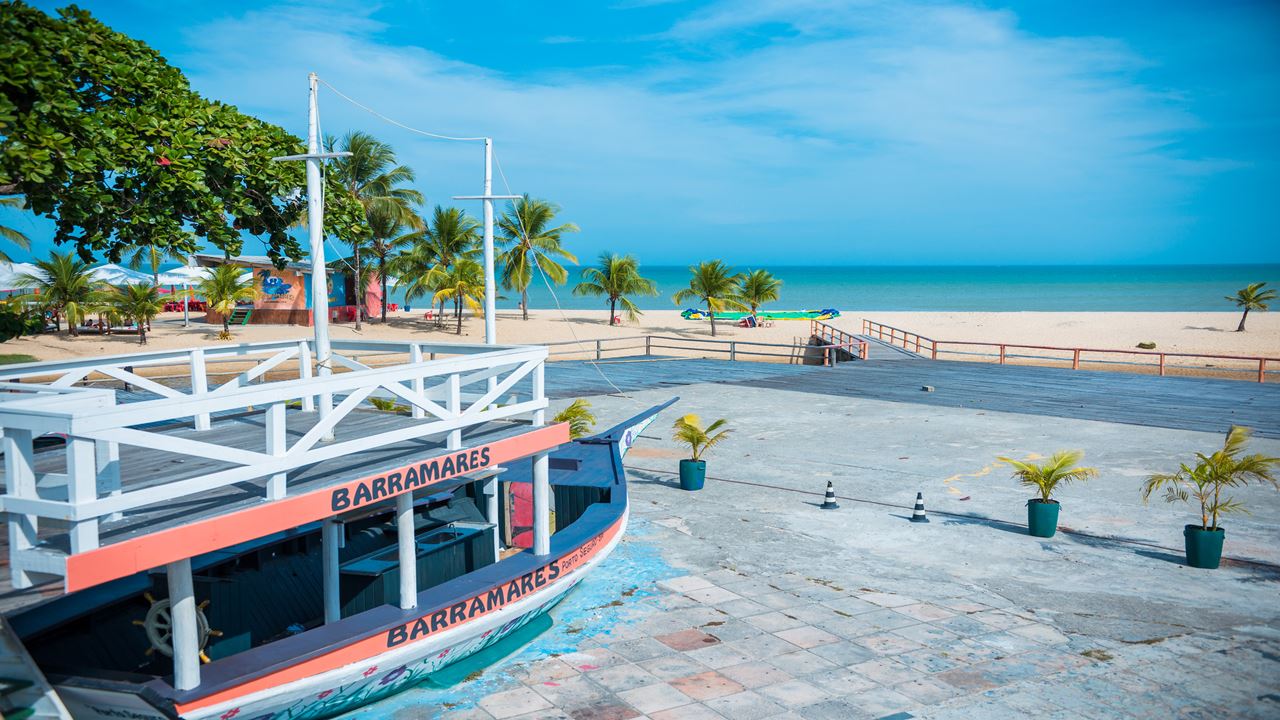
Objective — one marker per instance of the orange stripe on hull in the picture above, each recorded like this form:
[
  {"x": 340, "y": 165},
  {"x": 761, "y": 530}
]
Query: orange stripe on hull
[
  {"x": 127, "y": 557},
  {"x": 374, "y": 645}
]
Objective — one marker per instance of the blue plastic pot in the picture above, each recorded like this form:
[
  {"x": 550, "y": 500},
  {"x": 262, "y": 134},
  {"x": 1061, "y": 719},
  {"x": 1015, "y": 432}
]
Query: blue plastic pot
[
  {"x": 1204, "y": 547},
  {"x": 1042, "y": 517},
  {"x": 693, "y": 473}
]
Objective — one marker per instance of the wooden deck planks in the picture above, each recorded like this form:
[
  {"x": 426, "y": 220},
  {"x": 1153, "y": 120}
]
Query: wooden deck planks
[{"x": 1201, "y": 404}]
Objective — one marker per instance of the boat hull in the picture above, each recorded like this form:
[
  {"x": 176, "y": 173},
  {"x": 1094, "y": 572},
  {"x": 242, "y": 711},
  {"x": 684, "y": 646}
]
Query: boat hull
[{"x": 352, "y": 685}]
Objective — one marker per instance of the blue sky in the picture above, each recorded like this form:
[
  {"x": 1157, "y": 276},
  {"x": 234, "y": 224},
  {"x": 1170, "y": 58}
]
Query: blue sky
[{"x": 794, "y": 131}]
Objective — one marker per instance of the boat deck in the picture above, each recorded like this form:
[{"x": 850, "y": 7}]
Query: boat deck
[{"x": 143, "y": 467}]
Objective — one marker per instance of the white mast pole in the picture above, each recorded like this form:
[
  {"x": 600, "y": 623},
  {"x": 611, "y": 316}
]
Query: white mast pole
[
  {"x": 490, "y": 283},
  {"x": 315, "y": 225},
  {"x": 490, "y": 292}
]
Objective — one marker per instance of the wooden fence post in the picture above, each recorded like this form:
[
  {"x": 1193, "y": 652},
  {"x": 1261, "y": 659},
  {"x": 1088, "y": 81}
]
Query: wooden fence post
[
  {"x": 1161, "y": 364},
  {"x": 1262, "y": 369},
  {"x": 597, "y": 350},
  {"x": 648, "y": 344},
  {"x": 733, "y": 351},
  {"x": 1075, "y": 360},
  {"x": 1001, "y": 354}
]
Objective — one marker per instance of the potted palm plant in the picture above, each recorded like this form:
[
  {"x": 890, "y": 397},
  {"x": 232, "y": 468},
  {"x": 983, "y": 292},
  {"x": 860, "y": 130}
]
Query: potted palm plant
[
  {"x": 579, "y": 416},
  {"x": 1206, "y": 481},
  {"x": 689, "y": 430},
  {"x": 1042, "y": 512}
]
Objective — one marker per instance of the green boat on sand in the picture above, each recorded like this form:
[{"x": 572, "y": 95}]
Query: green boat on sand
[{"x": 827, "y": 314}]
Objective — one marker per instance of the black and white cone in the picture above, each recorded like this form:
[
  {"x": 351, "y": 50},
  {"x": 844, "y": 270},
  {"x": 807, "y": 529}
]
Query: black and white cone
[
  {"x": 918, "y": 515},
  {"x": 829, "y": 502}
]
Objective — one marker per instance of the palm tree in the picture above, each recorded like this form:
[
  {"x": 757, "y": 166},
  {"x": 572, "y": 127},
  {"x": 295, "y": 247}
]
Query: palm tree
[
  {"x": 689, "y": 431},
  {"x": 759, "y": 287},
  {"x": 713, "y": 285},
  {"x": 462, "y": 282},
  {"x": 529, "y": 238},
  {"x": 373, "y": 178},
  {"x": 1252, "y": 298},
  {"x": 139, "y": 302},
  {"x": 153, "y": 257},
  {"x": 1059, "y": 469},
  {"x": 387, "y": 237},
  {"x": 579, "y": 416},
  {"x": 616, "y": 277},
  {"x": 10, "y": 234},
  {"x": 223, "y": 288},
  {"x": 1213, "y": 473},
  {"x": 65, "y": 285},
  {"x": 451, "y": 235}
]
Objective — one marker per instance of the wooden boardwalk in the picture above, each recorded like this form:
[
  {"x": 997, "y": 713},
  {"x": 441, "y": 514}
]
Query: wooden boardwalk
[{"x": 1201, "y": 404}]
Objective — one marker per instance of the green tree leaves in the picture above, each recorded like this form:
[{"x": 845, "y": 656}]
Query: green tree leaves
[{"x": 105, "y": 137}]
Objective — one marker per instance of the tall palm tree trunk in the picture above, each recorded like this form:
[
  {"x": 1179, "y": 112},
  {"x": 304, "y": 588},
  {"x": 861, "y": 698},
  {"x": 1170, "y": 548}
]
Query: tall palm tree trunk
[
  {"x": 359, "y": 286},
  {"x": 382, "y": 274},
  {"x": 142, "y": 332},
  {"x": 613, "y": 300},
  {"x": 712, "y": 313},
  {"x": 457, "y": 310},
  {"x": 524, "y": 301},
  {"x": 1240, "y": 328}
]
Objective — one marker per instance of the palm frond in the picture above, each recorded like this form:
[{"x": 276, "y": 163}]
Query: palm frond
[{"x": 579, "y": 416}]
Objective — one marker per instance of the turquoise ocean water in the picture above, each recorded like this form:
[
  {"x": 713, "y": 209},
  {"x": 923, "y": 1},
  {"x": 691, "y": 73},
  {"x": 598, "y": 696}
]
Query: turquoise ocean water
[{"x": 1043, "y": 288}]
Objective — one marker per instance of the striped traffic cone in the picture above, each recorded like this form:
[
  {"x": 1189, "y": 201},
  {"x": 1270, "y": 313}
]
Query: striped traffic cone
[
  {"x": 917, "y": 515},
  {"x": 829, "y": 502}
]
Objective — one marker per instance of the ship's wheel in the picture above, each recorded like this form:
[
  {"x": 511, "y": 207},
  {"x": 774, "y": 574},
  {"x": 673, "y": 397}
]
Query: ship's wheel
[{"x": 158, "y": 624}]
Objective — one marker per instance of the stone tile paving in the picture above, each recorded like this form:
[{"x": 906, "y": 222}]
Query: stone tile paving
[
  {"x": 1005, "y": 664},
  {"x": 786, "y": 612}
]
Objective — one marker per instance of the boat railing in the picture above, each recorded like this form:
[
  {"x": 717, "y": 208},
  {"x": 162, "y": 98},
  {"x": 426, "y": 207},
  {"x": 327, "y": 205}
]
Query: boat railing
[
  {"x": 622, "y": 348},
  {"x": 1162, "y": 363},
  {"x": 463, "y": 386}
]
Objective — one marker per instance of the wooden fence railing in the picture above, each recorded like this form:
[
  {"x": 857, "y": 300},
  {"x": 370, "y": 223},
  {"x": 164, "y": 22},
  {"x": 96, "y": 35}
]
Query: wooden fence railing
[
  {"x": 605, "y": 348},
  {"x": 1254, "y": 366},
  {"x": 837, "y": 337}
]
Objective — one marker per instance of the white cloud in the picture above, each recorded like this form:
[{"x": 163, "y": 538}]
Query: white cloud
[{"x": 863, "y": 127}]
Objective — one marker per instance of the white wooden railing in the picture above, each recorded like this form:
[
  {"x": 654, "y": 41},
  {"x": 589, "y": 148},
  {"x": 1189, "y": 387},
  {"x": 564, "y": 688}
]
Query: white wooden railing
[{"x": 447, "y": 387}]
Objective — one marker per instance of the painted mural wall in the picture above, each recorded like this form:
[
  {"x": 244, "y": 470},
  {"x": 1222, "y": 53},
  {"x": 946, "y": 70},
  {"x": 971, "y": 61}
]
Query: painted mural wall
[{"x": 279, "y": 289}]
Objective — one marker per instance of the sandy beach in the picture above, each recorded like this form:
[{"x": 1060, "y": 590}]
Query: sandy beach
[{"x": 1174, "y": 332}]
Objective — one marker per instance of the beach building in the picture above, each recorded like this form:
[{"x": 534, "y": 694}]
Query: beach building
[{"x": 284, "y": 294}]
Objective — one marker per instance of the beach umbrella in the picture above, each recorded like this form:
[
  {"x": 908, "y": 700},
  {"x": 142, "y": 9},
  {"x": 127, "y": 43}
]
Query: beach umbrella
[
  {"x": 113, "y": 274},
  {"x": 186, "y": 276},
  {"x": 11, "y": 274}
]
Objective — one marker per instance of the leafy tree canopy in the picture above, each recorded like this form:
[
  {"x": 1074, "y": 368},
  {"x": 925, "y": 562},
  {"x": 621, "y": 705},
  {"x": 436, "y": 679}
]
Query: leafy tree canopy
[{"x": 102, "y": 135}]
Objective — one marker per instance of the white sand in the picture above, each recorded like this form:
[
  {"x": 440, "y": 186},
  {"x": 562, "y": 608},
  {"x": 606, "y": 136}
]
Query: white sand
[{"x": 1204, "y": 332}]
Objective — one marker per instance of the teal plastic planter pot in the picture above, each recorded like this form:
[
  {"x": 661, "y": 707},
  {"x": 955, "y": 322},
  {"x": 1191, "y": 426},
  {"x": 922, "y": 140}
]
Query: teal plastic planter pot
[
  {"x": 1042, "y": 517},
  {"x": 1204, "y": 547},
  {"x": 692, "y": 474}
]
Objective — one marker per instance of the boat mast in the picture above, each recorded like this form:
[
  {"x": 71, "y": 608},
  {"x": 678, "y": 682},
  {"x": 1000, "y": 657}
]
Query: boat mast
[
  {"x": 315, "y": 226},
  {"x": 331, "y": 530},
  {"x": 315, "y": 229}
]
